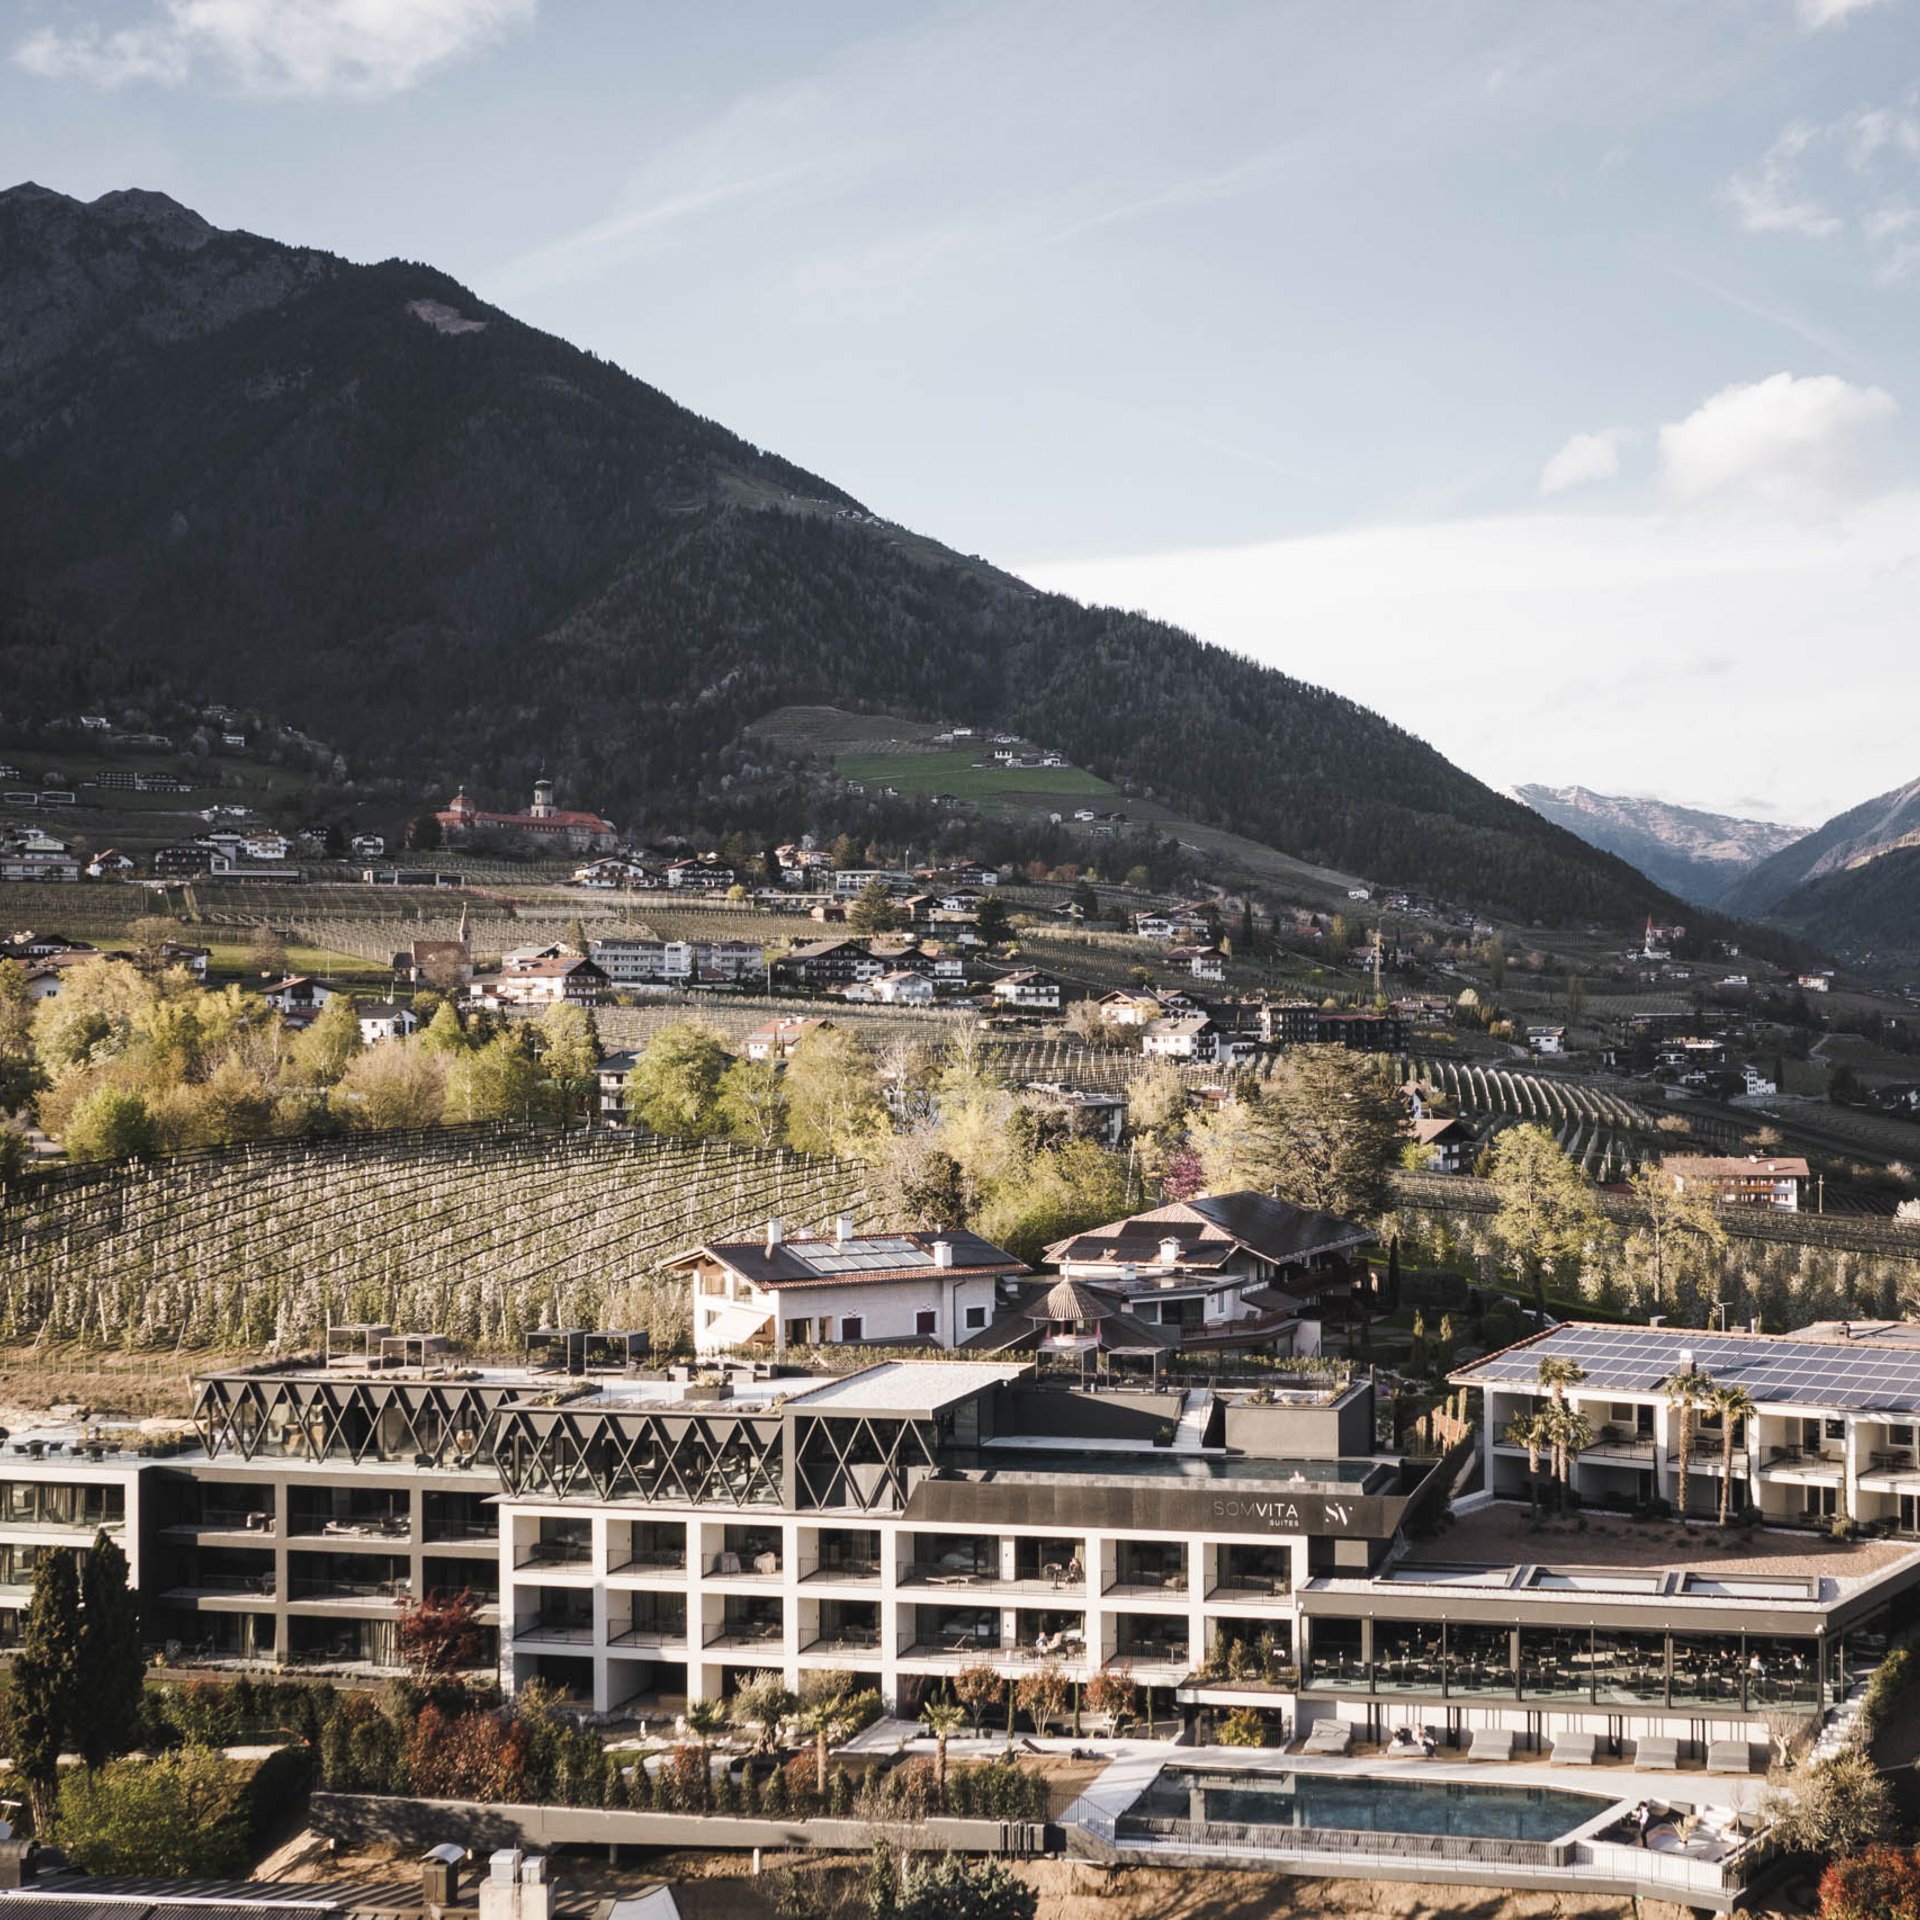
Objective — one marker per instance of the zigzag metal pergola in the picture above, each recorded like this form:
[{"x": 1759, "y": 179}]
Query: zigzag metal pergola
[
  {"x": 669, "y": 1458},
  {"x": 434, "y": 1423}
]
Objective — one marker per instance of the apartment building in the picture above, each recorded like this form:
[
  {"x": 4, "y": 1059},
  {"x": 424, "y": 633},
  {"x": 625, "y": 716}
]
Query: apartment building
[{"x": 641, "y": 1538}]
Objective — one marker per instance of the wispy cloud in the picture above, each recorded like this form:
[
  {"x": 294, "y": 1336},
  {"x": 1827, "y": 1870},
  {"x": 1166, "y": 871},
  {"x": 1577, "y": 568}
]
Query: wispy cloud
[
  {"x": 1853, "y": 176},
  {"x": 575, "y": 255},
  {"x": 1772, "y": 197},
  {"x": 277, "y": 47},
  {"x": 1815, "y": 14},
  {"x": 1585, "y": 460}
]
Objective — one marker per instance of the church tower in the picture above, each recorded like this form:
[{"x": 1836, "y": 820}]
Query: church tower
[{"x": 542, "y": 808}]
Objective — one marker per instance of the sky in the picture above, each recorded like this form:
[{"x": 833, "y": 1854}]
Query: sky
[{"x": 1542, "y": 374}]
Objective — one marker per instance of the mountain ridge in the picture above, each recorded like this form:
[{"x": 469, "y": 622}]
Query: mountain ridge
[
  {"x": 1688, "y": 850},
  {"x": 1887, "y": 822},
  {"x": 462, "y": 548}
]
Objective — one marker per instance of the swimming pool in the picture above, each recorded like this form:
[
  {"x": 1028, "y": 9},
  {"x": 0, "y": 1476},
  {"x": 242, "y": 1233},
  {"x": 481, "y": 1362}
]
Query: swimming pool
[{"x": 1350, "y": 1803}]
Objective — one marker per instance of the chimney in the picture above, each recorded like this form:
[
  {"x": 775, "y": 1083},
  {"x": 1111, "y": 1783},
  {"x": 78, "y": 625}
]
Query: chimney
[
  {"x": 1169, "y": 1252},
  {"x": 842, "y": 1229},
  {"x": 943, "y": 1253},
  {"x": 440, "y": 1875},
  {"x": 773, "y": 1233}
]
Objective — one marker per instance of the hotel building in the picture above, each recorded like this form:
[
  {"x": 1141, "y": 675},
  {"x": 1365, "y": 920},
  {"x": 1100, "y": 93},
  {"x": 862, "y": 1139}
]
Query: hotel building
[{"x": 639, "y": 1539}]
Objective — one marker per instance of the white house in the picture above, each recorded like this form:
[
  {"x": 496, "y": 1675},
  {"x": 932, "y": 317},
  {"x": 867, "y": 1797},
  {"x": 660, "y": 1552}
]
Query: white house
[
  {"x": 1547, "y": 1040},
  {"x": 1181, "y": 1036},
  {"x": 922, "y": 1289},
  {"x": 1030, "y": 990},
  {"x": 385, "y": 1020},
  {"x": 903, "y": 989}
]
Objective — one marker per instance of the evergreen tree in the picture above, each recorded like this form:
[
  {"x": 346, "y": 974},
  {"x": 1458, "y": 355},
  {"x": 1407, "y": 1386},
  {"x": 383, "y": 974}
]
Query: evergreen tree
[
  {"x": 991, "y": 922},
  {"x": 106, "y": 1709},
  {"x": 46, "y": 1679},
  {"x": 872, "y": 911}
]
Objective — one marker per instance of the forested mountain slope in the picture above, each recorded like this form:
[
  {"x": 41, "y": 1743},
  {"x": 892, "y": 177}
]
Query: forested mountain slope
[{"x": 453, "y": 545}]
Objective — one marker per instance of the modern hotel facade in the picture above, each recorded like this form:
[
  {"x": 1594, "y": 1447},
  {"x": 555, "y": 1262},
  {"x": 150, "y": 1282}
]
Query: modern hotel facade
[{"x": 639, "y": 1539}]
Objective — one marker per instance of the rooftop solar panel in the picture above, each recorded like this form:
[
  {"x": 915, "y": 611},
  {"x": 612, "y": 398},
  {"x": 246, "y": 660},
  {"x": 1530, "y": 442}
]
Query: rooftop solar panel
[{"x": 1774, "y": 1368}]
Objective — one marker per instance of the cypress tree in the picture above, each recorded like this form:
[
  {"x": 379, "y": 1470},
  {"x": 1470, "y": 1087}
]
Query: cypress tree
[
  {"x": 106, "y": 1711},
  {"x": 46, "y": 1680}
]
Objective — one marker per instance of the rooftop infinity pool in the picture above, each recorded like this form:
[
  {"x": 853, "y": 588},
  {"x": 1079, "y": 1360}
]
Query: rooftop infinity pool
[{"x": 1349, "y": 1803}]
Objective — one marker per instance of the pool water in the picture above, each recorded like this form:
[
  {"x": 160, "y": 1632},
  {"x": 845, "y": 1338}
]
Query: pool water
[{"x": 1352, "y": 1804}]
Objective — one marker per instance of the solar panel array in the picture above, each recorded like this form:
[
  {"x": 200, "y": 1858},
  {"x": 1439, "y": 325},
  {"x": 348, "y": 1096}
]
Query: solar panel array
[
  {"x": 869, "y": 1254},
  {"x": 1773, "y": 1368}
]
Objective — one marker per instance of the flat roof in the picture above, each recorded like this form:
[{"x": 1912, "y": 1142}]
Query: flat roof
[
  {"x": 1864, "y": 1375},
  {"x": 1506, "y": 1535},
  {"x": 908, "y": 1386},
  {"x": 1162, "y": 1463}
]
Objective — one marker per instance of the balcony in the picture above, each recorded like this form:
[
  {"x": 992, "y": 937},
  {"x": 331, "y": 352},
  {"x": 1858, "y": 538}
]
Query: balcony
[
  {"x": 309, "y": 1588},
  {"x": 568, "y": 1555},
  {"x": 1616, "y": 1443},
  {"x": 660, "y": 1562},
  {"x": 843, "y": 1573},
  {"x": 746, "y": 1564},
  {"x": 224, "y": 1586},
  {"x": 747, "y": 1633},
  {"x": 567, "y": 1628},
  {"x": 354, "y": 1527},
  {"x": 257, "y": 1521}
]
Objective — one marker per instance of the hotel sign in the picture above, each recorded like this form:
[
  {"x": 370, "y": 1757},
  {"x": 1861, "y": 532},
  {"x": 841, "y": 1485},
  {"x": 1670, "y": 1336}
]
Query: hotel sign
[{"x": 1073, "y": 1502}]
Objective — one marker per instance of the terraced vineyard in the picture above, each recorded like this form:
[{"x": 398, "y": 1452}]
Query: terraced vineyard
[
  {"x": 478, "y": 1233},
  {"x": 1096, "y": 1069},
  {"x": 1605, "y": 1133}
]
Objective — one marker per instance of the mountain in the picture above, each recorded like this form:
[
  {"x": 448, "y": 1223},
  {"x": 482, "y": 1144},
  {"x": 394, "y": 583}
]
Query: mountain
[
  {"x": 1696, "y": 855},
  {"x": 1873, "y": 908},
  {"x": 459, "y": 548},
  {"x": 1848, "y": 841}
]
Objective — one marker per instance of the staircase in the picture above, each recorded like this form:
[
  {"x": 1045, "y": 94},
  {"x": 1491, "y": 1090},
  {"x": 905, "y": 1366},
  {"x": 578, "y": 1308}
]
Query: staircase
[{"x": 1190, "y": 1430}]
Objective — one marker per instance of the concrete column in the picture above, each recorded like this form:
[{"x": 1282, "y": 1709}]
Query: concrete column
[
  {"x": 1663, "y": 1469},
  {"x": 790, "y": 1601},
  {"x": 598, "y": 1562},
  {"x": 1850, "y": 1490}
]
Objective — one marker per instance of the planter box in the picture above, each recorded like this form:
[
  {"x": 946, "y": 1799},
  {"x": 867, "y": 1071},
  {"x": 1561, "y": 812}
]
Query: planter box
[{"x": 361, "y": 1818}]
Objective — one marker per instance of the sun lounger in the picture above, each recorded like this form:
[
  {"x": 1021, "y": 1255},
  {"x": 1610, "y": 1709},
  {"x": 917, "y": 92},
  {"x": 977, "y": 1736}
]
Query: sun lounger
[
  {"x": 1490, "y": 1743},
  {"x": 1657, "y": 1756},
  {"x": 1574, "y": 1749},
  {"x": 1729, "y": 1756},
  {"x": 1330, "y": 1736}
]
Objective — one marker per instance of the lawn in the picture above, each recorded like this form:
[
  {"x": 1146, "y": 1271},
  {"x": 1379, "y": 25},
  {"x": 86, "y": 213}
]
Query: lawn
[{"x": 954, "y": 771}]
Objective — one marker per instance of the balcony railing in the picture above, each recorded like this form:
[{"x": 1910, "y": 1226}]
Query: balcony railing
[
  {"x": 845, "y": 1640},
  {"x": 351, "y": 1526},
  {"x": 1274, "y": 1585},
  {"x": 394, "y": 1589},
  {"x": 556, "y": 1553},
  {"x": 744, "y": 1563},
  {"x": 846, "y": 1570},
  {"x": 663, "y": 1634},
  {"x": 228, "y": 1520},
  {"x": 746, "y": 1633},
  {"x": 661, "y": 1560},
  {"x": 565, "y": 1627}
]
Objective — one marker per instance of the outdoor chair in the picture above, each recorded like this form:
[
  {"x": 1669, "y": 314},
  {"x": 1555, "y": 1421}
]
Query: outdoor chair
[
  {"x": 1329, "y": 1736},
  {"x": 1729, "y": 1756},
  {"x": 1657, "y": 1756},
  {"x": 1490, "y": 1743},
  {"x": 1574, "y": 1749}
]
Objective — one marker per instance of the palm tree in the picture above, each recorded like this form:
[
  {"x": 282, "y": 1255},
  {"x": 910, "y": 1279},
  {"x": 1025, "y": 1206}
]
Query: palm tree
[
  {"x": 705, "y": 1718},
  {"x": 1529, "y": 1430},
  {"x": 1733, "y": 1404},
  {"x": 822, "y": 1721},
  {"x": 1571, "y": 1433},
  {"x": 1687, "y": 1388},
  {"x": 1557, "y": 1375},
  {"x": 944, "y": 1719}
]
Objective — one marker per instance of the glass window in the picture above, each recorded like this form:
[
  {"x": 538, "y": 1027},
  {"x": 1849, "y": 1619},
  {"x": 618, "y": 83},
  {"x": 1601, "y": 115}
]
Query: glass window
[
  {"x": 1479, "y": 1659},
  {"x": 1707, "y": 1672},
  {"x": 1333, "y": 1652},
  {"x": 976, "y": 1318},
  {"x": 1556, "y": 1662},
  {"x": 1781, "y": 1673},
  {"x": 1630, "y": 1669},
  {"x": 1406, "y": 1656}
]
